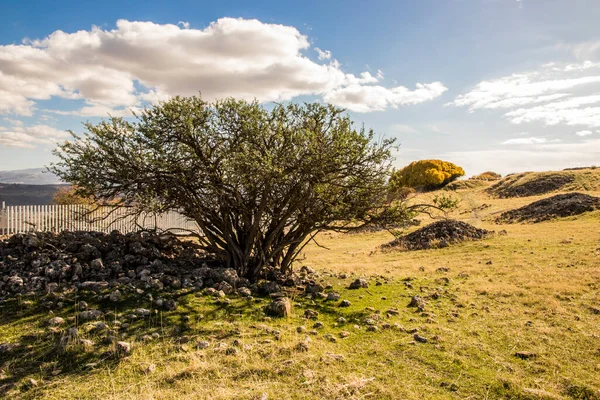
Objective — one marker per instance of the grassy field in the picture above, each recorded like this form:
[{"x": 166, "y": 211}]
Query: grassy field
[{"x": 534, "y": 291}]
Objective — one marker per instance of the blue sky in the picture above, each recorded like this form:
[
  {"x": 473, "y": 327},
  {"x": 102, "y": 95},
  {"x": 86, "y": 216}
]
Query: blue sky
[{"x": 501, "y": 85}]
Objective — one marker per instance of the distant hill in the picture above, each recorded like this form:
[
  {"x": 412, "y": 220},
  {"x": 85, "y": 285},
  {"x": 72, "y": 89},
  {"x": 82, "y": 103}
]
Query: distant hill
[
  {"x": 14, "y": 194},
  {"x": 31, "y": 176}
]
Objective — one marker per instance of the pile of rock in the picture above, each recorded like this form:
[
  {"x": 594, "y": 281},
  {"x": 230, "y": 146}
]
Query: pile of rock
[
  {"x": 560, "y": 205},
  {"x": 530, "y": 184},
  {"x": 95, "y": 261},
  {"x": 437, "y": 235}
]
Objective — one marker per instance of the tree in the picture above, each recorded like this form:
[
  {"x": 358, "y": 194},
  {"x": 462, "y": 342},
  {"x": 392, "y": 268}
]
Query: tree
[
  {"x": 428, "y": 174},
  {"x": 260, "y": 184},
  {"x": 68, "y": 195}
]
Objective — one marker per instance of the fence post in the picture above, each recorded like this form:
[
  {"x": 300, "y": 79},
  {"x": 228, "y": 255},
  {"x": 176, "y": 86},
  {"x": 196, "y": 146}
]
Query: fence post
[{"x": 3, "y": 219}]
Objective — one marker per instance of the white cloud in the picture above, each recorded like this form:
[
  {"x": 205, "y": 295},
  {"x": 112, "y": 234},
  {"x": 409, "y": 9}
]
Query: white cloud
[
  {"x": 115, "y": 70},
  {"x": 323, "y": 55},
  {"x": 528, "y": 140},
  {"x": 362, "y": 98},
  {"x": 27, "y": 137},
  {"x": 583, "y": 133},
  {"x": 581, "y": 66},
  {"x": 15, "y": 122},
  {"x": 572, "y": 111},
  {"x": 552, "y": 95},
  {"x": 185, "y": 25}
]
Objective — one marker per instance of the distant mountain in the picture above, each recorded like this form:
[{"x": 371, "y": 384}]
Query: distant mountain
[
  {"x": 31, "y": 176},
  {"x": 16, "y": 194},
  {"x": 33, "y": 186}
]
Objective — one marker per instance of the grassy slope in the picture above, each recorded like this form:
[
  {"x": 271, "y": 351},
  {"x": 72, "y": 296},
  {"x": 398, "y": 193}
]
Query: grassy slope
[{"x": 536, "y": 295}]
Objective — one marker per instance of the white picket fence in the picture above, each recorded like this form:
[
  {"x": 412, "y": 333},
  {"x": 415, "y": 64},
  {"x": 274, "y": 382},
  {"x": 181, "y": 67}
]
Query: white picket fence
[{"x": 57, "y": 218}]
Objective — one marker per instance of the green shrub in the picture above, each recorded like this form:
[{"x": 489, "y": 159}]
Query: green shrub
[{"x": 427, "y": 174}]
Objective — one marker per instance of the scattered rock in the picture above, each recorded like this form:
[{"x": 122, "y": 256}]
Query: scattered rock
[
  {"x": 269, "y": 287},
  {"x": 306, "y": 270},
  {"x": 280, "y": 307},
  {"x": 358, "y": 284},
  {"x": 313, "y": 288},
  {"x": 333, "y": 296},
  {"x": 224, "y": 287},
  {"x": 345, "y": 303},
  {"x": 420, "y": 339},
  {"x": 91, "y": 315},
  {"x": 525, "y": 355},
  {"x": 301, "y": 347},
  {"x": 231, "y": 351},
  {"x": 417, "y": 301},
  {"x": 142, "y": 312},
  {"x": 329, "y": 337},
  {"x": 56, "y": 321},
  {"x": 150, "y": 369},
  {"x": 334, "y": 357},
  {"x": 116, "y": 296},
  {"x": 203, "y": 344},
  {"x": 123, "y": 348},
  {"x": 170, "y": 305}
]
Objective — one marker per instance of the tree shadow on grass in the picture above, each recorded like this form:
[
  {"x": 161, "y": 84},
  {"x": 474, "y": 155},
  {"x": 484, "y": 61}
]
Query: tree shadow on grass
[
  {"x": 39, "y": 353},
  {"x": 44, "y": 356}
]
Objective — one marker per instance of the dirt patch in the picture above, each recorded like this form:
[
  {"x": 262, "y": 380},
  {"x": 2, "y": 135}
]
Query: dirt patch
[
  {"x": 561, "y": 205},
  {"x": 437, "y": 235},
  {"x": 529, "y": 184}
]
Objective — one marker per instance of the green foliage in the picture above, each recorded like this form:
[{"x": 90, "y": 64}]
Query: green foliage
[
  {"x": 446, "y": 203},
  {"x": 258, "y": 183},
  {"x": 427, "y": 174},
  {"x": 70, "y": 195}
]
